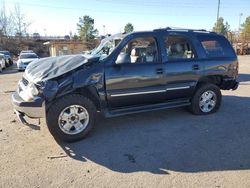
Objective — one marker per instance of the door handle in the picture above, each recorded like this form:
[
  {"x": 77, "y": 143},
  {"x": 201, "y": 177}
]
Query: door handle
[
  {"x": 159, "y": 71},
  {"x": 196, "y": 67}
]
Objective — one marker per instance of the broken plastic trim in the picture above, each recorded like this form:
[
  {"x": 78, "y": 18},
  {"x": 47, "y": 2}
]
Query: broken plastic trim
[{"x": 20, "y": 117}]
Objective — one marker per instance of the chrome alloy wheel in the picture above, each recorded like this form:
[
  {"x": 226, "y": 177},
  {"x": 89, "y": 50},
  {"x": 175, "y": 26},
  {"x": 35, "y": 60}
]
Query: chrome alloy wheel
[
  {"x": 73, "y": 119},
  {"x": 207, "y": 101}
]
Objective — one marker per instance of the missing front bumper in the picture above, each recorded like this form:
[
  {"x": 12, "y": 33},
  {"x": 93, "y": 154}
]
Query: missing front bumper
[{"x": 32, "y": 109}]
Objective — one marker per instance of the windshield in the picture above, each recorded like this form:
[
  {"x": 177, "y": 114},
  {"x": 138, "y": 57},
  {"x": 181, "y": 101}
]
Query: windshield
[
  {"x": 5, "y": 52},
  {"x": 28, "y": 56},
  {"x": 107, "y": 45}
]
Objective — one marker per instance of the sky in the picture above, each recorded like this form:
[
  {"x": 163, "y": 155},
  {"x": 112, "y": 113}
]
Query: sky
[{"x": 59, "y": 17}]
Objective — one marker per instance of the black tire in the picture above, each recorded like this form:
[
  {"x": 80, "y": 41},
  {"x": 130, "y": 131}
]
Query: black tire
[
  {"x": 11, "y": 62},
  {"x": 195, "y": 101},
  {"x": 57, "y": 107},
  {"x": 7, "y": 64}
]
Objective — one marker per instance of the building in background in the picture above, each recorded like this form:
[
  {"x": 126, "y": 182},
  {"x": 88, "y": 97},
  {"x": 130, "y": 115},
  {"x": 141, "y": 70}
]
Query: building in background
[{"x": 65, "y": 47}]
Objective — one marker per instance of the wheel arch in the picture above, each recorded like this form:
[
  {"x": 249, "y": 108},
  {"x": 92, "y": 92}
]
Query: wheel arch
[
  {"x": 88, "y": 91},
  {"x": 91, "y": 93},
  {"x": 213, "y": 79}
]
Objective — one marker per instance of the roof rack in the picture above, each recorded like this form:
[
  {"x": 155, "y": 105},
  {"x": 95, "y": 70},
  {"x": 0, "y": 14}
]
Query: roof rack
[{"x": 182, "y": 29}]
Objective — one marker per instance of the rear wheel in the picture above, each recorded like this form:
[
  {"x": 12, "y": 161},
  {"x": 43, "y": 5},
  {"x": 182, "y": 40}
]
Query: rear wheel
[
  {"x": 11, "y": 62},
  {"x": 206, "y": 100},
  {"x": 1, "y": 69},
  {"x": 71, "y": 118}
]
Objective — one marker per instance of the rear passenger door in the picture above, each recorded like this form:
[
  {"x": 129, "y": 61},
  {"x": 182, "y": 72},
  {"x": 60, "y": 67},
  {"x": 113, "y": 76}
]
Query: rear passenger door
[{"x": 181, "y": 65}]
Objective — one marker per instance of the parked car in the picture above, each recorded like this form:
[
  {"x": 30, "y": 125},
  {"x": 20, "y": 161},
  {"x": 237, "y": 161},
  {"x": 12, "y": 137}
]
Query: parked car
[
  {"x": 36, "y": 36},
  {"x": 145, "y": 71},
  {"x": 66, "y": 37},
  {"x": 8, "y": 59},
  {"x": 25, "y": 59},
  {"x": 26, "y": 51},
  {"x": 2, "y": 62}
]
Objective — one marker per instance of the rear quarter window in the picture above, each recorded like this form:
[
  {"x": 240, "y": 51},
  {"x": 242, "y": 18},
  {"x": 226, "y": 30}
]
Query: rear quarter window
[{"x": 216, "y": 46}]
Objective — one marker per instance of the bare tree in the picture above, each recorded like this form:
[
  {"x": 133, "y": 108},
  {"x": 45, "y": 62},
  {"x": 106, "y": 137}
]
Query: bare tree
[
  {"x": 19, "y": 21},
  {"x": 5, "y": 21}
]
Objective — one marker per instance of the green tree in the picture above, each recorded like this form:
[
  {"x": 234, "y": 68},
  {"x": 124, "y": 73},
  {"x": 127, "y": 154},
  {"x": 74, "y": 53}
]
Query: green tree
[
  {"x": 86, "y": 29},
  {"x": 221, "y": 27},
  {"x": 245, "y": 34},
  {"x": 75, "y": 37},
  {"x": 128, "y": 28}
]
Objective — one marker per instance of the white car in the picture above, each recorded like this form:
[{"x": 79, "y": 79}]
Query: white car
[
  {"x": 26, "y": 51},
  {"x": 2, "y": 62},
  {"x": 25, "y": 59}
]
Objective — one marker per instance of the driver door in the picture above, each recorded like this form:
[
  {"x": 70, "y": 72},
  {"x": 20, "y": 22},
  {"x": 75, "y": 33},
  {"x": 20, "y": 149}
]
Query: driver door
[{"x": 137, "y": 76}]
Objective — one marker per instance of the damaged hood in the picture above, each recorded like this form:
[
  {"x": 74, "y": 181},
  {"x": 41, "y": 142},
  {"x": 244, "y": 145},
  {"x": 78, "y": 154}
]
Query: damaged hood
[{"x": 52, "y": 67}]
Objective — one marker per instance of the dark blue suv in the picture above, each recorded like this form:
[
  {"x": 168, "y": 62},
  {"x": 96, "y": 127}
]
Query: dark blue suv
[{"x": 128, "y": 73}]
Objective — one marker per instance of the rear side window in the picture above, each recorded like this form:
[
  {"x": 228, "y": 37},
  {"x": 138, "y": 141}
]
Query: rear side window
[
  {"x": 213, "y": 48},
  {"x": 216, "y": 47},
  {"x": 178, "y": 48}
]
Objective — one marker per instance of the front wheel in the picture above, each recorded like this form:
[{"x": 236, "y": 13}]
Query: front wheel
[
  {"x": 206, "y": 100},
  {"x": 71, "y": 117}
]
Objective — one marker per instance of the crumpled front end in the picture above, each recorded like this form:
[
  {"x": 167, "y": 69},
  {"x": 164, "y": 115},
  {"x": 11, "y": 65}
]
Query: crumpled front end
[
  {"x": 27, "y": 100},
  {"x": 46, "y": 79}
]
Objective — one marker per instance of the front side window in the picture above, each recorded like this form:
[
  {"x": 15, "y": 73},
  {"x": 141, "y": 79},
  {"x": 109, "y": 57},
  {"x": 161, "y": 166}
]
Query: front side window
[
  {"x": 178, "y": 48},
  {"x": 139, "y": 50}
]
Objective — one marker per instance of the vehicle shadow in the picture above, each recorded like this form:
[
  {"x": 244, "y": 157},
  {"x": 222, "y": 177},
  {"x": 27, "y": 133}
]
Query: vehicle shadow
[
  {"x": 9, "y": 70},
  {"x": 244, "y": 77},
  {"x": 171, "y": 140}
]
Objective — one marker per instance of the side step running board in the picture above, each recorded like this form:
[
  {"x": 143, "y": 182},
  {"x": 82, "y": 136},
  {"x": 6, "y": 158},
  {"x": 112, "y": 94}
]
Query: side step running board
[{"x": 146, "y": 108}]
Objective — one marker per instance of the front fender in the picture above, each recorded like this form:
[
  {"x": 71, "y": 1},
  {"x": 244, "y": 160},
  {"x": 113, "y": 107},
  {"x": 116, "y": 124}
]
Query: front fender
[
  {"x": 88, "y": 76},
  {"x": 89, "y": 81}
]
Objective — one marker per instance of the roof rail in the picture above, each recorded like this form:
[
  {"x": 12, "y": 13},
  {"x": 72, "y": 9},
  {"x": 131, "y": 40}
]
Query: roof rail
[{"x": 181, "y": 29}]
